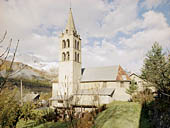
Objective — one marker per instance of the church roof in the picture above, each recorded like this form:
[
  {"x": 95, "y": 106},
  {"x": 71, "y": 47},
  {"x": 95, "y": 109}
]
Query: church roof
[
  {"x": 109, "y": 73},
  {"x": 70, "y": 23},
  {"x": 103, "y": 91}
]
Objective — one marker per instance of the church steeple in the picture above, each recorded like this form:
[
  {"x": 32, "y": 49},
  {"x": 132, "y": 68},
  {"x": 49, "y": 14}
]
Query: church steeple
[
  {"x": 69, "y": 57},
  {"x": 70, "y": 27}
]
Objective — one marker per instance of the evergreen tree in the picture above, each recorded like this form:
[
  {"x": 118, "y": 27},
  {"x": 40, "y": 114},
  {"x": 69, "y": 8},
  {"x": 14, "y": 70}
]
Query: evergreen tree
[
  {"x": 156, "y": 69},
  {"x": 132, "y": 88}
]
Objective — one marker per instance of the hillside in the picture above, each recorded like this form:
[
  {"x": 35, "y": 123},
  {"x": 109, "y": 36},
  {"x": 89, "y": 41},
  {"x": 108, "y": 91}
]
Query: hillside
[
  {"x": 117, "y": 115},
  {"x": 23, "y": 71},
  {"x": 34, "y": 80},
  {"x": 120, "y": 115}
]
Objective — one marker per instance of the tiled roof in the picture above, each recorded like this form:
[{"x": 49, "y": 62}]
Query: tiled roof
[
  {"x": 110, "y": 73},
  {"x": 103, "y": 91},
  {"x": 30, "y": 97}
]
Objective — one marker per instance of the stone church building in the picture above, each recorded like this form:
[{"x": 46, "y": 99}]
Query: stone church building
[{"x": 85, "y": 86}]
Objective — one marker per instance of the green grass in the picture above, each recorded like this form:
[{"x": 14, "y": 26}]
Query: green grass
[
  {"x": 119, "y": 115},
  {"x": 31, "y": 124}
]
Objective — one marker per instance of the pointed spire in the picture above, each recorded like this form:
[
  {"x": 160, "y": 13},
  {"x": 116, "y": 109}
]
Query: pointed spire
[{"x": 70, "y": 23}]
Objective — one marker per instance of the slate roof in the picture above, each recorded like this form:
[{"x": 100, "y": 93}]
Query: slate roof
[
  {"x": 109, "y": 73},
  {"x": 103, "y": 91},
  {"x": 30, "y": 97},
  {"x": 61, "y": 97}
]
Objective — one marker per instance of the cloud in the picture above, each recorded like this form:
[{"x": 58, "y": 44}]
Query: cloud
[
  {"x": 152, "y": 28},
  {"x": 132, "y": 50},
  {"x": 149, "y": 4},
  {"x": 112, "y": 32}
]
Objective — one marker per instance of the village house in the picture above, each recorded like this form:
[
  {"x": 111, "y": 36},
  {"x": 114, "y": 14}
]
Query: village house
[
  {"x": 141, "y": 84},
  {"x": 31, "y": 97},
  {"x": 85, "y": 86}
]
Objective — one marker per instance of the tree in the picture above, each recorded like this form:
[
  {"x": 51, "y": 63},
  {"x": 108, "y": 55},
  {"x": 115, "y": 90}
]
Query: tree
[
  {"x": 3, "y": 59},
  {"x": 9, "y": 108},
  {"x": 132, "y": 88},
  {"x": 156, "y": 70}
]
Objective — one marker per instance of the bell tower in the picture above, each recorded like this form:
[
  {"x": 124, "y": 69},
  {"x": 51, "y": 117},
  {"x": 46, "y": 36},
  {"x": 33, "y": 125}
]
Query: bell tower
[{"x": 69, "y": 58}]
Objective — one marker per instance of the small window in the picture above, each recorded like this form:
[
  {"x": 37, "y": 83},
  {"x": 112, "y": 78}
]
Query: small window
[
  {"x": 75, "y": 43},
  {"x": 63, "y": 56},
  {"x": 68, "y": 43},
  {"x": 75, "y": 56},
  {"x": 78, "y": 58},
  {"x": 68, "y": 56},
  {"x": 64, "y": 44},
  {"x": 67, "y": 31},
  {"x": 60, "y": 101},
  {"x": 78, "y": 46},
  {"x": 121, "y": 84},
  {"x": 124, "y": 77}
]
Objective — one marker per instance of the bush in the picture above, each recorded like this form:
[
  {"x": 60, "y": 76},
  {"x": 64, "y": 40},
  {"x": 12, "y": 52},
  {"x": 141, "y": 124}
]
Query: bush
[
  {"x": 143, "y": 97},
  {"x": 9, "y": 108}
]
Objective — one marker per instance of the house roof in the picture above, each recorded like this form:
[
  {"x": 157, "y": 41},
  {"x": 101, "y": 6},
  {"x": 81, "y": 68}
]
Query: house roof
[
  {"x": 109, "y": 73},
  {"x": 134, "y": 74},
  {"x": 61, "y": 97},
  {"x": 103, "y": 91},
  {"x": 30, "y": 97}
]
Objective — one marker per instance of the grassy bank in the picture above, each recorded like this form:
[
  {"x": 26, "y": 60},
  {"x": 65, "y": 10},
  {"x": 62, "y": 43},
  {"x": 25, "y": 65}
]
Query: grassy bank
[
  {"x": 31, "y": 124},
  {"x": 119, "y": 115}
]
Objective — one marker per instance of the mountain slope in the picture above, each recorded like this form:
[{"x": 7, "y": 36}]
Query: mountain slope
[{"x": 23, "y": 71}]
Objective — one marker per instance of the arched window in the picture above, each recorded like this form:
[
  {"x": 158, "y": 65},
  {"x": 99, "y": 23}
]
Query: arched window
[
  {"x": 78, "y": 46},
  {"x": 75, "y": 56},
  {"x": 75, "y": 43},
  {"x": 78, "y": 57},
  {"x": 64, "y": 44},
  {"x": 68, "y": 56},
  {"x": 68, "y": 43},
  {"x": 66, "y": 30},
  {"x": 63, "y": 56}
]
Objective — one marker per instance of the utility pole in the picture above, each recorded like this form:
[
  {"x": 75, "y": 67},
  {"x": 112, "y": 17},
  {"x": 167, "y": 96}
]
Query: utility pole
[{"x": 21, "y": 93}]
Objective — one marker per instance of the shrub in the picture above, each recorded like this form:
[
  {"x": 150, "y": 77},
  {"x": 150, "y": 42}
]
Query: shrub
[
  {"x": 143, "y": 97},
  {"x": 9, "y": 108}
]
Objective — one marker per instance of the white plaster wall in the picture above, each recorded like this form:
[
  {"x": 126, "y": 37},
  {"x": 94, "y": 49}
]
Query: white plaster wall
[
  {"x": 141, "y": 83},
  {"x": 90, "y": 100},
  {"x": 54, "y": 89},
  {"x": 69, "y": 71},
  {"x": 120, "y": 88}
]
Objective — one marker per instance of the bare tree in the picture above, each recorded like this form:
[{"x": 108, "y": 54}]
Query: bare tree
[
  {"x": 3, "y": 59},
  {"x": 70, "y": 100}
]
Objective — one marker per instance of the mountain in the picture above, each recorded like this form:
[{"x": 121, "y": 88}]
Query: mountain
[
  {"x": 35, "y": 61},
  {"x": 24, "y": 71}
]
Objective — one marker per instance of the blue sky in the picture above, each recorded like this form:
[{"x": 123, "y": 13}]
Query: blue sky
[{"x": 113, "y": 31}]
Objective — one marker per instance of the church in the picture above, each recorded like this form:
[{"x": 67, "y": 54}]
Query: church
[{"x": 85, "y": 87}]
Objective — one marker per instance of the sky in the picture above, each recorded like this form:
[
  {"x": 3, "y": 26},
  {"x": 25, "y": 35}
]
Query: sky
[{"x": 113, "y": 32}]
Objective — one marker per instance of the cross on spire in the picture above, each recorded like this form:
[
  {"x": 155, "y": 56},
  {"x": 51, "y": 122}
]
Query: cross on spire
[
  {"x": 70, "y": 3},
  {"x": 70, "y": 27}
]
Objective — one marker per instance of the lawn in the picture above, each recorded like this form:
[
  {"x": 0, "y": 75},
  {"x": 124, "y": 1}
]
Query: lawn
[
  {"x": 119, "y": 115},
  {"x": 31, "y": 124}
]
